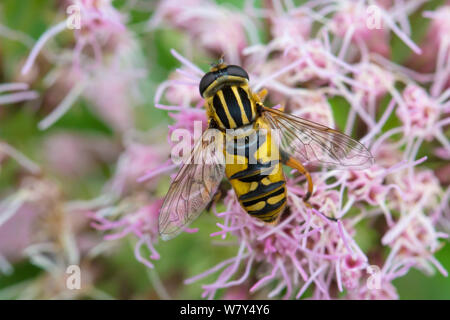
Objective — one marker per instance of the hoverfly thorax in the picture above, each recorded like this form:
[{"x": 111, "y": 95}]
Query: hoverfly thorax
[{"x": 228, "y": 98}]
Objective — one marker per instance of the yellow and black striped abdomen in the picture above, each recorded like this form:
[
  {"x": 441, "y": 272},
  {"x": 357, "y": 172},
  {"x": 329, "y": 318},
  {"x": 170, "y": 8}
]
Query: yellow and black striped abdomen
[
  {"x": 254, "y": 170},
  {"x": 231, "y": 106}
]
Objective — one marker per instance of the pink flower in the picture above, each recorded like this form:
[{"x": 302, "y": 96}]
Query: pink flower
[
  {"x": 22, "y": 93},
  {"x": 435, "y": 42},
  {"x": 181, "y": 89},
  {"x": 37, "y": 224},
  {"x": 133, "y": 216},
  {"x": 113, "y": 91},
  {"x": 352, "y": 270},
  {"x": 421, "y": 112},
  {"x": 292, "y": 26},
  {"x": 386, "y": 292},
  {"x": 367, "y": 185},
  {"x": 62, "y": 151},
  {"x": 16, "y": 235},
  {"x": 171, "y": 10},
  {"x": 138, "y": 160},
  {"x": 376, "y": 81},
  {"x": 198, "y": 17},
  {"x": 313, "y": 107},
  {"x": 287, "y": 24},
  {"x": 361, "y": 24},
  {"x": 106, "y": 78},
  {"x": 98, "y": 20}
]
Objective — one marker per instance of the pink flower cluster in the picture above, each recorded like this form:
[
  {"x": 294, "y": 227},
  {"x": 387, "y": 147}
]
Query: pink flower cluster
[{"x": 104, "y": 63}]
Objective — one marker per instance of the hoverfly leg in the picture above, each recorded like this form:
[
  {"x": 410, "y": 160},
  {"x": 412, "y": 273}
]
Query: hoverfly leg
[
  {"x": 329, "y": 218},
  {"x": 262, "y": 94},
  {"x": 294, "y": 164},
  {"x": 216, "y": 198},
  {"x": 212, "y": 124}
]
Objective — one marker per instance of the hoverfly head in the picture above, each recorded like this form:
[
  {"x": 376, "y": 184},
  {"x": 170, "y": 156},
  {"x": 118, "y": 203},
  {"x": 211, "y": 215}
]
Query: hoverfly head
[{"x": 219, "y": 73}]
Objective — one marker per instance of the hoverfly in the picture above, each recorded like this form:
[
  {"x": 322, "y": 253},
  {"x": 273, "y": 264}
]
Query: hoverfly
[{"x": 257, "y": 179}]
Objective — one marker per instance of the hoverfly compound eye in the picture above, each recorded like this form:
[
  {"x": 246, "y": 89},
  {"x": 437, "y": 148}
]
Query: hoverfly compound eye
[
  {"x": 206, "y": 81},
  {"x": 223, "y": 74},
  {"x": 237, "y": 71}
]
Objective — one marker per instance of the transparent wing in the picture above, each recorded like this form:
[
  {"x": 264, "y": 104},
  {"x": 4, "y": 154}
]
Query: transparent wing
[
  {"x": 312, "y": 143},
  {"x": 194, "y": 186}
]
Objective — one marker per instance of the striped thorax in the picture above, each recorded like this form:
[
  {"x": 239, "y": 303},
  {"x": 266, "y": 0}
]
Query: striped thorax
[{"x": 228, "y": 97}]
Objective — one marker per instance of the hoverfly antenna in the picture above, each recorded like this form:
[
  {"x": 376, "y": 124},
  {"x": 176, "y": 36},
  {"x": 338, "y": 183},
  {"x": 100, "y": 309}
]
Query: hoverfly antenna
[
  {"x": 221, "y": 60},
  {"x": 218, "y": 63}
]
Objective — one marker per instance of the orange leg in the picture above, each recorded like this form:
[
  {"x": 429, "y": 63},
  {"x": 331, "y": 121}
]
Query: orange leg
[
  {"x": 217, "y": 196},
  {"x": 291, "y": 162},
  {"x": 262, "y": 94}
]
